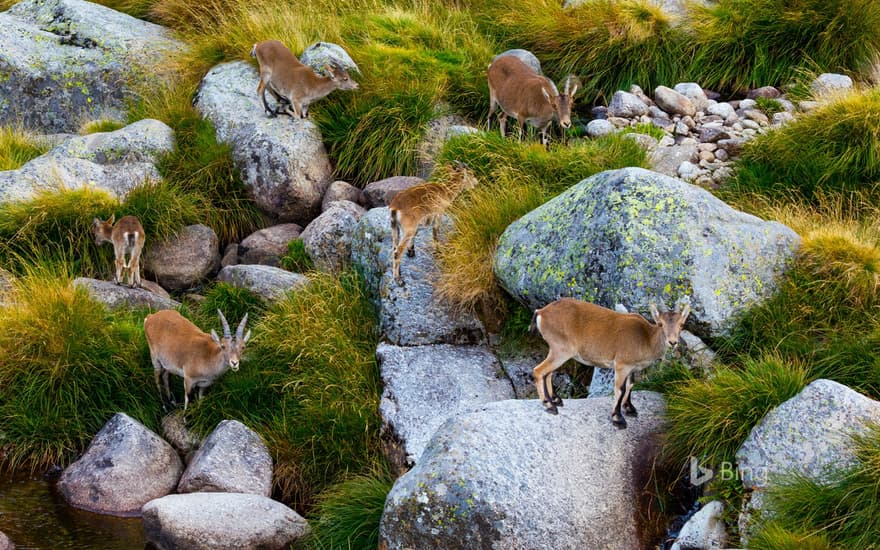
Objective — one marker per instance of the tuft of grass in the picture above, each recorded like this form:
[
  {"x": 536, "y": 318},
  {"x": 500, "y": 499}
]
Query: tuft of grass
[
  {"x": 833, "y": 148},
  {"x": 17, "y": 146},
  {"x": 769, "y": 106},
  {"x": 101, "y": 125},
  {"x": 646, "y": 128},
  {"x": 312, "y": 392},
  {"x": 66, "y": 366},
  {"x": 710, "y": 418},
  {"x": 234, "y": 302},
  {"x": 775, "y": 537},
  {"x": 347, "y": 515},
  {"x": 297, "y": 259}
]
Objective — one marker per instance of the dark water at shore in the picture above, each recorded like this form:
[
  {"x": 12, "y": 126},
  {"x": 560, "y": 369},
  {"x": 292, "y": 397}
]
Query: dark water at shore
[{"x": 34, "y": 516}]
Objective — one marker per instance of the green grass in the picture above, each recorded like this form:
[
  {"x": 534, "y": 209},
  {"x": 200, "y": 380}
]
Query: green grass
[
  {"x": 101, "y": 125},
  {"x": 297, "y": 259},
  {"x": 18, "y": 146},
  {"x": 646, "y": 128},
  {"x": 66, "y": 366}
]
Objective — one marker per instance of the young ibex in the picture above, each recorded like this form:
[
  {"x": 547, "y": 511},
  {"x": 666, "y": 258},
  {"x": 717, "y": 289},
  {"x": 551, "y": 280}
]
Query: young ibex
[
  {"x": 424, "y": 203},
  {"x": 127, "y": 237},
  {"x": 178, "y": 346},
  {"x": 527, "y": 96},
  {"x": 293, "y": 84},
  {"x": 597, "y": 336}
]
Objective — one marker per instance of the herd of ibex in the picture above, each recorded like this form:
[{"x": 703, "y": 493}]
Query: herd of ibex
[{"x": 588, "y": 333}]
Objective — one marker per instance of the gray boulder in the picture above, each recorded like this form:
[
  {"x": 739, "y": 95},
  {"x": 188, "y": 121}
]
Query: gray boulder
[
  {"x": 667, "y": 160},
  {"x": 65, "y": 61},
  {"x": 525, "y": 56},
  {"x": 673, "y": 102},
  {"x": 282, "y": 160},
  {"x": 268, "y": 245},
  {"x": 695, "y": 93},
  {"x": 626, "y": 105},
  {"x": 322, "y": 53},
  {"x": 221, "y": 521},
  {"x": 721, "y": 109},
  {"x": 436, "y": 133},
  {"x": 342, "y": 191},
  {"x": 119, "y": 296},
  {"x": 808, "y": 435},
  {"x": 125, "y": 466},
  {"x": 5, "y": 543},
  {"x": 410, "y": 313},
  {"x": 634, "y": 237},
  {"x": 233, "y": 459},
  {"x": 599, "y": 127},
  {"x": 186, "y": 259},
  {"x": 268, "y": 282},
  {"x": 426, "y": 385},
  {"x": 511, "y": 476},
  {"x": 602, "y": 382},
  {"x": 704, "y": 531},
  {"x": 829, "y": 83},
  {"x": 327, "y": 239},
  {"x": 381, "y": 193},
  {"x": 116, "y": 162}
]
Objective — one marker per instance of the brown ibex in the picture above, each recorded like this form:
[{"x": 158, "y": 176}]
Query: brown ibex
[
  {"x": 424, "y": 203},
  {"x": 527, "y": 96},
  {"x": 178, "y": 346},
  {"x": 293, "y": 84},
  {"x": 597, "y": 336},
  {"x": 127, "y": 237}
]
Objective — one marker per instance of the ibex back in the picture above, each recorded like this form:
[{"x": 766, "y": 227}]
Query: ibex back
[{"x": 127, "y": 237}]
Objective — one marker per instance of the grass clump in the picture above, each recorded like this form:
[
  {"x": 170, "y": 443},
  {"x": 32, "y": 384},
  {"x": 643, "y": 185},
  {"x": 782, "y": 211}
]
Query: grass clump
[
  {"x": 297, "y": 259},
  {"x": 834, "y": 148},
  {"x": 234, "y": 302},
  {"x": 646, "y": 128},
  {"x": 101, "y": 125},
  {"x": 17, "y": 146},
  {"x": 66, "y": 366},
  {"x": 311, "y": 392}
]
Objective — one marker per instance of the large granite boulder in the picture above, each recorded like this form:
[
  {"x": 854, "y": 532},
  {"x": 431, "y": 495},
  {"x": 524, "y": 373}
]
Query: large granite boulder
[
  {"x": 221, "y": 521},
  {"x": 268, "y": 245},
  {"x": 704, "y": 530},
  {"x": 185, "y": 259},
  {"x": 119, "y": 296},
  {"x": 267, "y": 282},
  {"x": 511, "y": 476},
  {"x": 633, "y": 237},
  {"x": 320, "y": 54},
  {"x": 65, "y": 61},
  {"x": 233, "y": 459},
  {"x": 327, "y": 239},
  {"x": 381, "y": 193},
  {"x": 116, "y": 162},
  {"x": 125, "y": 466},
  {"x": 426, "y": 385},
  {"x": 525, "y": 56},
  {"x": 282, "y": 160},
  {"x": 410, "y": 313}
]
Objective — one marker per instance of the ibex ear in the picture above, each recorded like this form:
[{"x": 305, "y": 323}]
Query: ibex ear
[
  {"x": 546, "y": 94},
  {"x": 246, "y": 338},
  {"x": 655, "y": 314},
  {"x": 685, "y": 311},
  {"x": 214, "y": 336},
  {"x": 112, "y": 218}
]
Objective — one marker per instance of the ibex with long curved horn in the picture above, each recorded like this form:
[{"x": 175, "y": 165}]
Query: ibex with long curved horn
[{"x": 178, "y": 346}]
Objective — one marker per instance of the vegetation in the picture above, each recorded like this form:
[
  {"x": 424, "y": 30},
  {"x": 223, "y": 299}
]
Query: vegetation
[
  {"x": 18, "y": 146},
  {"x": 297, "y": 259}
]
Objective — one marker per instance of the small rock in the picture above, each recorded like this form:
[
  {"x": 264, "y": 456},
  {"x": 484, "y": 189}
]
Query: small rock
[
  {"x": 724, "y": 110},
  {"x": 768, "y": 92},
  {"x": 626, "y": 105},
  {"x": 525, "y": 56},
  {"x": 186, "y": 259},
  {"x": 747, "y": 104},
  {"x": 695, "y": 93},
  {"x": 267, "y": 246},
  {"x": 268, "y": 282},
  {"x": 673, "y": 102},
  {"x": 382, "y": 192},
  {"x": 829, "y": 83},
  {"x": 705, "y": 530},
  {"x": 320, "y": 54},
  {"x": 599, "y": 127},
  {"x": 342, "y": 191}
]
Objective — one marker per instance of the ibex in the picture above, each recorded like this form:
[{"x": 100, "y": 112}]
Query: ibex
[
  {"x": 178, "y": 346},
  {"x": 527, "y": 96},
  {"x": 127, "y": 237},
  {"x": 424, "y": 203},
  {"x": 293, "y": 84},
  {"x": 597, "y": 336}
]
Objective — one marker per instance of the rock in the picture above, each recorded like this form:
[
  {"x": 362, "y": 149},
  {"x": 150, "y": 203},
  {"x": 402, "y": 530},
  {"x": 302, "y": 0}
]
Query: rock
[
  {"x": 322, "y": 53},
  {"x": 233, "y": 459},
  {"x": 426, "y": 385},
  {"x": 602, "y": 383},
  {"x": 525, "y": 56},
  {"x": 705, "y": 530},
  {"x": 511, "y": 476},
  {"x": 667, "y": 160},
  {"x": 599, "y": 127},
  {"x": 5, "y": 543},
  {"x": 724, "y": 110},
  {"x": 268, "y": 245},
  {"x": 436, "y": 134},
  {"x": 230, "y": 255},
  {"x": 221, "y": 521},
  {"x": 119, "y": 296},
  {"x": 410, "y": 313},
  {"x": 65, "y": 61},
  {"x": 783, "y": 117},
  {"x": 125, "y": 466},
  {"x": 712, "y": 135},
  {"x": 808, "y": 435},
  {"x": 116, "y": 162},
  {"x": 646, "y": 142},
  {"x": 633, "y": 237},
  {"x": 626, "y": 105},
  {"x": 767, "y": 92},
  {"x": 186, "y": 259},
  {"x": 282, "y": 160},
  {"x": 733, "y": 146},
  {"x": 327, "y": 239},
  {"x": 381, "y": 193},
  {"x": 673, "y": 102},
  {"x": 695, "y": 93},
  {"x": 756, "y": 115},
  {"x": 342, "y": 191},
  {"x": 696, "y": 353},
  {"x": 637, "y": 91},
  {"x": 268, "y": 282},
  {"x": 830, "y": 83},
  {"x": 175, "y": 432}
]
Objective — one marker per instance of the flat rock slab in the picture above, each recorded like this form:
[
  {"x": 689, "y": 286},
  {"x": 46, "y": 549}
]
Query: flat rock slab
[
  {"x": 121, "y": 296},
  {"x": 221, "y": 521},
  {"x": 426, "y": 385},
  {"x": 267, "y": 282}
]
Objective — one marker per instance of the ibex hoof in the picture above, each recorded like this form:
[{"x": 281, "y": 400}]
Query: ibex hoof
[
  {"x": 551, "y": 409},
  {"x": 629, "y": 410},
  {"x": 556, "y": 400},
  {"x": 619, "y": 422},
  {"x": 411, "y": 253}
]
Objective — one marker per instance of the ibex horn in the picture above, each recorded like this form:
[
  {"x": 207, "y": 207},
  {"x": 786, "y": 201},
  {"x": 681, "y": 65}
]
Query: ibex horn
[
  {"x": 226, "y": 332},
  {"x": 239, "y": 332}
]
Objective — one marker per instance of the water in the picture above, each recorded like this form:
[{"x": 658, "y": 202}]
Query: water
[{"x": 35, "y": 516}]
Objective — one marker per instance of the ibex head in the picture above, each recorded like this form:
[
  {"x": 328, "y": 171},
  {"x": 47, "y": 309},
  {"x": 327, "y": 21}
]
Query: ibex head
[{"x": 232, "y": 346}]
